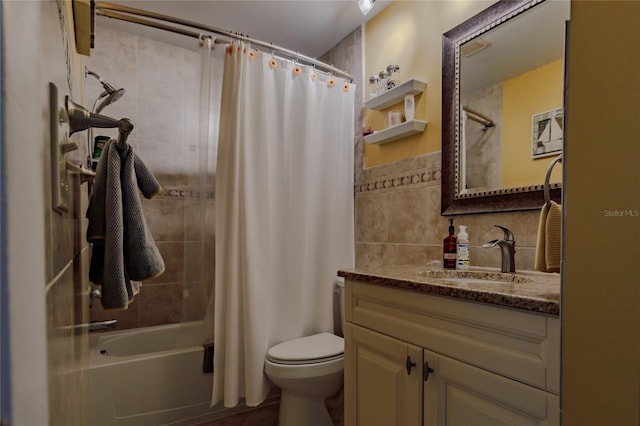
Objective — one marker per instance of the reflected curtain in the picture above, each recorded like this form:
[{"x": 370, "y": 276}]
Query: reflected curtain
[{"x": 284, "y": 212}]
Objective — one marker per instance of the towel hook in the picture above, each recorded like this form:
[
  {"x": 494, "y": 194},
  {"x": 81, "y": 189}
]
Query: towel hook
[{"x": 547, "y": 192}]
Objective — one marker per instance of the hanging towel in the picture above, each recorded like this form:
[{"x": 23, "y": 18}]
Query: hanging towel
[
  {"x": 123, "y": 249},
  {"x": 549, "y": 239},
  {"x": 553, "y": 238},
  {"x": 142, "y": 258},
  {"x": 540, "y": 263}
]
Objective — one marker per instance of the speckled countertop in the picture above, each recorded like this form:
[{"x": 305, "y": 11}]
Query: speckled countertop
[{"x": 527, "y": 290}]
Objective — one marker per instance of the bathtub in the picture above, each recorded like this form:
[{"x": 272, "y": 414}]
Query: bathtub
[{"x": 150, "y": 376}]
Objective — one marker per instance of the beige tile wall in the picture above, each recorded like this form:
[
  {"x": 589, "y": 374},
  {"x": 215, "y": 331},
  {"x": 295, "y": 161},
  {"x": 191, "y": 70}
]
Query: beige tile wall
[
  {"x": 162, "y": 98},
  {"x": 398, "y": 219},
  {"x": 484, "y": 146}
]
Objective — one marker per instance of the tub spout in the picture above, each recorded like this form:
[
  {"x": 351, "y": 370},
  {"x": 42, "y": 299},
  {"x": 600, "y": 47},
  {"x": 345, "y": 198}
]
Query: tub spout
[{"x": 95, "y": 326}]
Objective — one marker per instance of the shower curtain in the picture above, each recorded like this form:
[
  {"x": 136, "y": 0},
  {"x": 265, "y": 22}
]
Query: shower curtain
[
  {"x": 198, "y": 258},
  {"x": 284, "y": 212}
]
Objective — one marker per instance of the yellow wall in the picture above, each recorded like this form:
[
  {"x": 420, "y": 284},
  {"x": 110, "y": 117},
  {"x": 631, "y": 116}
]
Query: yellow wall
[
  {"x": 601, "y": 291},
  {"x": 409, "y": 34},
  {"x": 533, "y": 92}
]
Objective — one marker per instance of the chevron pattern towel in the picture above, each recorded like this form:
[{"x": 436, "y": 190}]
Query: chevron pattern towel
[{"x": 123, "y": 250}]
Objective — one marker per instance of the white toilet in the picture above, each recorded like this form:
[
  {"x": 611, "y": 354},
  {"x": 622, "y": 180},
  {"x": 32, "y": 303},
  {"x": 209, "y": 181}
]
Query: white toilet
[{"x": 307, "y": 370}]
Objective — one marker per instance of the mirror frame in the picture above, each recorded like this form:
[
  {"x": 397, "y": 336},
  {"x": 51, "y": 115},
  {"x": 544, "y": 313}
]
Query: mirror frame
[{"x": 499, "y": 200}]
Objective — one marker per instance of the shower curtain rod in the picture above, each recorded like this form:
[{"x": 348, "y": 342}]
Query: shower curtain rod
[{"x": 111, "y": 10}]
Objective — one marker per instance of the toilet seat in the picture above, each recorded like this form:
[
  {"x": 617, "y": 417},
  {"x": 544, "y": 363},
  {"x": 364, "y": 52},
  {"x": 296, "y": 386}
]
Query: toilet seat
[{"x": 314, "y": 349}]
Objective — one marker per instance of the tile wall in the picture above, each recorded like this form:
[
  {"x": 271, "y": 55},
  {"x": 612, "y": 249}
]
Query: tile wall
[
  {"x": 162, "y": 97},
  {"x": 398, "y": 219},
  {"x": 484, "y": 146}
]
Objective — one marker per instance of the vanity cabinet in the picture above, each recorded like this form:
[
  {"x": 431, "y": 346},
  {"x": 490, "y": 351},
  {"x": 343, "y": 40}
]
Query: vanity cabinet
[
  {"x": 420, "y": 359},
  {"x": 386, "y": 375},
  {"x": 459, "y": 394}
]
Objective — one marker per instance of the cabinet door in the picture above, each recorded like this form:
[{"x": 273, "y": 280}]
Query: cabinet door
[
  {"x": 380, "y": 389},
  {"x": 458, "y": 394}
]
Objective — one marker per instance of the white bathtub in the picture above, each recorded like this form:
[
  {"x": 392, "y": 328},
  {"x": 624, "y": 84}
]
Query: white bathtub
[{"x": 149, "y": 376}]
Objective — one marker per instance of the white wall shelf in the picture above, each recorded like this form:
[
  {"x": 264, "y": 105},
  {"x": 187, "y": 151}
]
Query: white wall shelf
[
  {"x": 396, "y": 95},
  {"x": 399, "y": 131}
]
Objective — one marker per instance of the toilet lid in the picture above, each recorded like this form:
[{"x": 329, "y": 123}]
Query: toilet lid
[{"x": 318, "y": 347}]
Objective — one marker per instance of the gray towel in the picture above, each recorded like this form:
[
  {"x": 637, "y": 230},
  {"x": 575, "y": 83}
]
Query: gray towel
[
  {"x": 147, "y": 183},
  {"x": 123, "y": 249},
  {"x": 142, "y": 258}
]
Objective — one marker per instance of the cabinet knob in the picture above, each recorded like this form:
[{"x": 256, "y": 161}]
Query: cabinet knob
[
  {"x": 426, "y": 370},
  {"x": 409, "y": 365}
]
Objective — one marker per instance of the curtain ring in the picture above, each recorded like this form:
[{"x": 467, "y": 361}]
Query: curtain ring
[{"x": 203, "y": 37}]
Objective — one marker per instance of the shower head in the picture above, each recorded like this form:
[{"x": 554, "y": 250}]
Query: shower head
[
  {"x": 111, "y": 98},
  {"x": 112, "y": 94}
]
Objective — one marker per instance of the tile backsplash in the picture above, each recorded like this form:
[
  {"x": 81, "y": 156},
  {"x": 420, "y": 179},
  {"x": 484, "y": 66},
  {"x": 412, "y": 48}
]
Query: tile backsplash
[{"x": 398, "y": 219}]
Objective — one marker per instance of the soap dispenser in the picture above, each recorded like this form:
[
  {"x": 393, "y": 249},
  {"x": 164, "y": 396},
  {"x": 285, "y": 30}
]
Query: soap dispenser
[
  {"x": 449, "y": 248},
  {"x": 463, "y": 249}
]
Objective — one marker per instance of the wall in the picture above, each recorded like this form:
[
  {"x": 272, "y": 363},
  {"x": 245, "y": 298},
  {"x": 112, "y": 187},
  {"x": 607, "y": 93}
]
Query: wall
[
  {"x": 409, "y": 34},
  {"x": 46, "y": 259},
  {"x": 162, "y": 98},
  {"x": 533, "y": 92},
  {"x": 483, "y": 147},
  {"x": 601, "y": 295},
  {"x": 398, "y": 201}
]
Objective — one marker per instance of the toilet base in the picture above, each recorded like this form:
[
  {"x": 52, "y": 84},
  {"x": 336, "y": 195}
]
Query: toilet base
[{"x": 296, "y": 410}]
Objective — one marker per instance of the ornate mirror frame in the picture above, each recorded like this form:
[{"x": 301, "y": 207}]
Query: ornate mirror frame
[{"x": 452, "y": 201}]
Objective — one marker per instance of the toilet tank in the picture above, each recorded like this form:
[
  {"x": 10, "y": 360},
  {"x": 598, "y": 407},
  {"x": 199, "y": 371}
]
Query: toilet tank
[{"x": 339, "y": 302}]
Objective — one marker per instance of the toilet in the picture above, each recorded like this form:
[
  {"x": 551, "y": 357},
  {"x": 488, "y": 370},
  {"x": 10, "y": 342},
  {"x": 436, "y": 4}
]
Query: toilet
[{"x": 307, "y": 370}]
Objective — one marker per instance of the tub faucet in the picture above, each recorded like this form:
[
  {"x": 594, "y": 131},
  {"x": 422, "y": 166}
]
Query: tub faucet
[
  {"x": 508, "y": 249},
  {"x": 102, "y": 325}
]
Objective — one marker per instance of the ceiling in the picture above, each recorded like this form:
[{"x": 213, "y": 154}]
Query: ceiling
[{"x": 310, "y": 27}]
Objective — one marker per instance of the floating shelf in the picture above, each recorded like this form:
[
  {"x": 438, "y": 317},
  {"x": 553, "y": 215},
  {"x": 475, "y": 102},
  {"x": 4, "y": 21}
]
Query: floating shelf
[
  {"x": 399, "y": 131},
  {"x": 396, "y": 95}
]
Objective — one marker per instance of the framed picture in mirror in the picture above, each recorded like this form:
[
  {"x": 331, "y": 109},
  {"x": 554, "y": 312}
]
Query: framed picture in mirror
[{"x": 547, "y": 129}]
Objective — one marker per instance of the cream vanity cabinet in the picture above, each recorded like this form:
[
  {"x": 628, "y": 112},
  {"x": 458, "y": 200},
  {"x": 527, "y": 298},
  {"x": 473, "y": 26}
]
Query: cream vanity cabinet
[{"x": 413, "y": 358}]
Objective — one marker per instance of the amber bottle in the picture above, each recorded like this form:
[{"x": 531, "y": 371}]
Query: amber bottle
[{"x": 449, "y": 248}]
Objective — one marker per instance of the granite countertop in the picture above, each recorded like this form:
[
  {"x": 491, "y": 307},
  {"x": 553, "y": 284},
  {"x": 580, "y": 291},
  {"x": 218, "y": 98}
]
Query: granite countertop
[{"x": 526, "y": 290}]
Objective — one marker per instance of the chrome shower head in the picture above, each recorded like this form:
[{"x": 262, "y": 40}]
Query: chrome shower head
[
  {"x": 111, "y": 98},
  {"x": 112, "y": 94}
]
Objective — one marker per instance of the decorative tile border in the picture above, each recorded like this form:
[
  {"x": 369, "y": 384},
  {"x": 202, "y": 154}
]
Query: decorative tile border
[
  {"x": 185, "y": 193},
  {"x": 407, "y": 179}
]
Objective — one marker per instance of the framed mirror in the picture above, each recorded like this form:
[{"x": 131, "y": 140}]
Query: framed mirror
[{"x": 503, "y": 107}]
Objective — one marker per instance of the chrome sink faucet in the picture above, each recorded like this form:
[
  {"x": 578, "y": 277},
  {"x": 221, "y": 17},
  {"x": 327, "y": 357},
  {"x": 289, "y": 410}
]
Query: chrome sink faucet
[{"x": 508, "y": 249}]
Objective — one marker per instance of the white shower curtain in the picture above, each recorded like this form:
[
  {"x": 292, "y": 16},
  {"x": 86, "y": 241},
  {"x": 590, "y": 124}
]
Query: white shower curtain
[
  {"x": 284, "y": 212},
  {"x": 197, "y": 259}
]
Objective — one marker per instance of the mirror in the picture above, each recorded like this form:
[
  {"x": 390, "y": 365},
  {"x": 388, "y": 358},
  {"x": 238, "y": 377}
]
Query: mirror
[{"x": 502, "y": 107}]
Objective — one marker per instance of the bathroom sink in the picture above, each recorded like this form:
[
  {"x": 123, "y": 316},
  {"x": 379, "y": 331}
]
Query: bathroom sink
[{"x": 474, "y": 277}]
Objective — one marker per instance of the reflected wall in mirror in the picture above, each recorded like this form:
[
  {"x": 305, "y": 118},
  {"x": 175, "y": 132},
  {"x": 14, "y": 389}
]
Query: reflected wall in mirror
[{"x": 503, "y": 87}]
